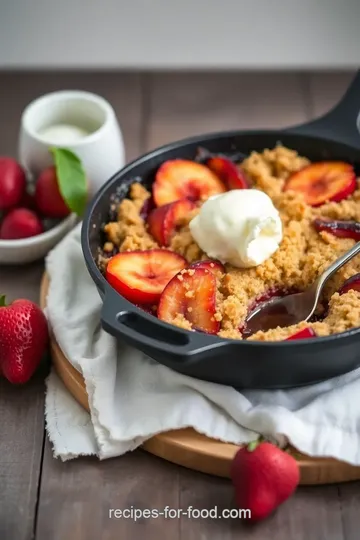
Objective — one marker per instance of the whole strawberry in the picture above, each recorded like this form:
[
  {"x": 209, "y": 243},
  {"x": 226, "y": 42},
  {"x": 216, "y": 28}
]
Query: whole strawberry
[
  {"x": 48, "y": 198},
  {"x": 264, "y": 476},
  {"x": 12, "y": 183},
  {"x": 20, "y": 223},
  {"x": 23, "y": 339}
]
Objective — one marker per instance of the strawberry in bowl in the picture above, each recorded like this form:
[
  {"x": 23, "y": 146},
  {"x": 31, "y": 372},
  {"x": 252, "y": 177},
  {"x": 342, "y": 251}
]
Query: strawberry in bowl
[{"x": 35, "y": 213}]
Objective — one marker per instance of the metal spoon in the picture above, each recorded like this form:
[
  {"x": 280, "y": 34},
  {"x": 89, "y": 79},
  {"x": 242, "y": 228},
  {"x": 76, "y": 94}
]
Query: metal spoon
[{"x": 297, "y": 307}]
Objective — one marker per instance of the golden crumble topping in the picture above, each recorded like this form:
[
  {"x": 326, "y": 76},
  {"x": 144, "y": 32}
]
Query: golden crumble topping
[{"x": 303, "y": 253}]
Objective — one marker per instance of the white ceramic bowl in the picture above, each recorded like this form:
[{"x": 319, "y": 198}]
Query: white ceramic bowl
[
  {"x": 102, "y": 152},
  {"x": 28, "y": 250}
]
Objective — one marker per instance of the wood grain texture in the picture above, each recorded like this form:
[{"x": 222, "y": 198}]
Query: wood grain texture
[
  {"x": 350, "y": 503},
  {"x": 21, "y": 281},
  {"x": 310, "y": 514},
  {"x": 21, "y": 426},
  {"x": 21, "y": 442},
  {"x": 326, "y": 89},
  {"x": 76, "y": 498},
  {"x": 181, "y": 105}
]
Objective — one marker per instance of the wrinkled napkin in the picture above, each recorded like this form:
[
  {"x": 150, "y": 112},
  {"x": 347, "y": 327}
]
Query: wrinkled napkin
[{"x": 132, "y": 397}]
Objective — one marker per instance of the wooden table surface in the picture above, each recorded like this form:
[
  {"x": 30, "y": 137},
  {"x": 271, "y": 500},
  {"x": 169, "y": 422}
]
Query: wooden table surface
[{"x": 42, "y": 498}]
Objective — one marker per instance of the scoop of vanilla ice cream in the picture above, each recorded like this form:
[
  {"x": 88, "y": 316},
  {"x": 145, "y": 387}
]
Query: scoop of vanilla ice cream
[{"x": 241, "y": 227}]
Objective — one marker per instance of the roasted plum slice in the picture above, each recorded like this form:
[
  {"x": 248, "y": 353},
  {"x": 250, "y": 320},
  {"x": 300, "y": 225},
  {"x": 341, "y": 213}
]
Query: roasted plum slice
[
  {"x": 228, "y": 172},
  {"x": 305, "y": 333},
  {"x": 146, "y": 208},
  {"x": 341, "y": 229},
  {"x": 185, "y": 179},
  {"x": 216, "y": 267},
  {"x": 353, "y": 283},
  {"x": 141, "y": 276},
  {"x": 191, "y": 293},
  {"x": 323, "y": 182},
  {"x": 162, "y": 221}
]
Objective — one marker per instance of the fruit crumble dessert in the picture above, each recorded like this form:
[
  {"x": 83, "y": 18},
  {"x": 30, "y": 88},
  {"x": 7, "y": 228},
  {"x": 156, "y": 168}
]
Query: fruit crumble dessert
[{"x": 216, "y": 237}]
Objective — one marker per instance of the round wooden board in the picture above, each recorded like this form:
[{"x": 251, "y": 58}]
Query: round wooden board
[{"x": 190, "y": 449}]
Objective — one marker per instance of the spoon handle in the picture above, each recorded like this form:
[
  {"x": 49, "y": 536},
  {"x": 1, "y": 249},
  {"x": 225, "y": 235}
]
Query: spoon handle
[{"x": 321, "y": 280}]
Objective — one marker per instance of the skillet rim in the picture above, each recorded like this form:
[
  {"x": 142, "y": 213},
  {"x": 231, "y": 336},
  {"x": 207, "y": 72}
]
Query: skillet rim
[{"x": 101, "y": 282}]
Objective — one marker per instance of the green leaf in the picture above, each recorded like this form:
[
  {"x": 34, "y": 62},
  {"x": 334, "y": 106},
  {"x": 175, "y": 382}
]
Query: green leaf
[
  {"x": 71, "y": 178},
  {"x": 2, "y": 301}
]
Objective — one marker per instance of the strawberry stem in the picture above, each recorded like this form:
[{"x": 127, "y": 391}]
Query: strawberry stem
[
  {"x": 253, "y": 445},
  {"x": 2, "y": 301}
]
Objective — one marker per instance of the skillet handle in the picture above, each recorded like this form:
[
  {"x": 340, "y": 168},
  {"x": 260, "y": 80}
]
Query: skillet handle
[
  {"x": 341, "y": 123},
  {"x": 138, "y": 328}
]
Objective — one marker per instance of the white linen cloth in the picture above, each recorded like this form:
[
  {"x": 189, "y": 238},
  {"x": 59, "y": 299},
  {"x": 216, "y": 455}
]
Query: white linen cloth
[{"x": 133, "y": 397}]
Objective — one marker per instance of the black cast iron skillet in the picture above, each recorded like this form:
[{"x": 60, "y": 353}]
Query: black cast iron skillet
[{"x": 241, "y": 364}]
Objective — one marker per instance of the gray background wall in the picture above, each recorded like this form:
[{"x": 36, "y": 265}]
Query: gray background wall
[{"x": 245, "y": 34}]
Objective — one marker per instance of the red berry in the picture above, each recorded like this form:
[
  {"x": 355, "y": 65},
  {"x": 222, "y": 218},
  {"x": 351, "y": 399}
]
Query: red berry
[
  {"x": 48, "y": 198},
  {"x": 263, "y": 478},
  {"x": 20, "y": 223},
  {"x": 23, "y": 339},
  {"x": 12, "y": 183}
]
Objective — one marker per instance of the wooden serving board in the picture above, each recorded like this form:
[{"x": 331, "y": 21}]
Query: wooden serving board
[{"x": 190, "y": 449}]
